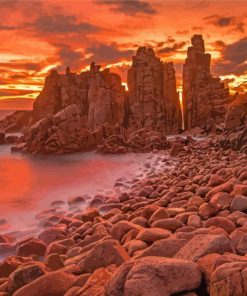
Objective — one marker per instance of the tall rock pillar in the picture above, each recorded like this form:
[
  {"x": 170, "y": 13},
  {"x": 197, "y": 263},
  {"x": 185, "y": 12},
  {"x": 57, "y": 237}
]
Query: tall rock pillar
[
  {"x": 205, "y": 98},
  {"x": 152, "y": 98}
]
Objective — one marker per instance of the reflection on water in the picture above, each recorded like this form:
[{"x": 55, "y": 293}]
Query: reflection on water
[{"x": 29, "y": 184}]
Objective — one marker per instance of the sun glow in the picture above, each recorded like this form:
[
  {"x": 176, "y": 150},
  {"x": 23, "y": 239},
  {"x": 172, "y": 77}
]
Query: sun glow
[
  {"x": 234, "y": 82},
  {"x": 21, "y": 87},
  {"x": 125, "y": 85},
  {"x": 180, "y": 96},
  {"x": 27, "y": 96}
]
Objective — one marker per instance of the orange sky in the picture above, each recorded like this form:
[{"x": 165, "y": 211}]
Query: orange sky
[{"x": 38, "y": 35}]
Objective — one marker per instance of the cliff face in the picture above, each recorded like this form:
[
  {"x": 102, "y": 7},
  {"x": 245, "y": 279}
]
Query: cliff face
[
  {"x": 99, "y": 95},
  {"x": 152, "y": 99},
  {"x": 105, "y": 97},
  {"x": 205, "y": 98},
  {"x": 60, "y": 91},
  {"x": 237, "y": 112},
  {"x": 15, "y": 122}
]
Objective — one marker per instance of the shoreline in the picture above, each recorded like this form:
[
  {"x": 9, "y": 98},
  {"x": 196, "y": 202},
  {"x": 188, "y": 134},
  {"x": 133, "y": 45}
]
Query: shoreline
[
  {"x": 136, "y": 161},
  {"x": 176, "y": 219}
]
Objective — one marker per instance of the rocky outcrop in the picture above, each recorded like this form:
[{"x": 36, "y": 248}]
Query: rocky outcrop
[
  {"x": 205, "y": 98},
  {"x": 237, "y": 112},
  {"x": 107, "y": 115},
  {"x": 234, "y": 135},
  {"x": 235, "y": 138},
  {"x": 60, "y": 91},
  {"x": 16, "y": 122},
  {"x": 139, "y": 141},
  {"x": 65, "y": 132},
  {"x": 53, "y": 133},
  {"x": 152, "y": 98},
  {"x": 105, "y": 97},
  {"x": 97, "y": 94}
]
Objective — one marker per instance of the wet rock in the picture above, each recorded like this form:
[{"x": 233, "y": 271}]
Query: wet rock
[
  {"x": 163, "y": 248},
  {"x": 171, "y": 224},
  {"x": 239, "y": 203},
  {"x": 229, "y": 279},
  {"x": 61, "y": 281},
  {"x": 105, "y": 253},
  {"x": 150, "y": 235},
  {"x": 11, "y": 263},
  {"x": 154, "y": 276},
  {"x": 95, "y": 285},
  {"x": 160, "y": 213},
  {"x": 24, "y": 275},
  {"x": 51, "y": 234},
  {"x": 221, "y": 222},
  {"x": 195, "y": 221},
  {"x": 122, "y": 227},
  {"x": 31, "y": 247},
  {"x": 54, "y": 262},
  {"x": 201, "y": 245},
  {"x": 135, "y": 246}
]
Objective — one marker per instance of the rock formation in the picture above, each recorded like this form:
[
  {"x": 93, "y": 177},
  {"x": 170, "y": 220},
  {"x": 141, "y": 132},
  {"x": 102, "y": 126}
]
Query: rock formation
[
  {"x": 97, "y": 94},
  {"x": 105, "y": 97},
  {"x": 107, "y": 115},
  {"x": 60, "y": 91},
  {"x": 237, "y": 112},
  {"x": 16, "y": 122},
  {"x": 65, "y": 132},
  {"x": 152, "y": 99},
  {"x": 205, "y": 99},
  {"x": 234, "y": 136}
]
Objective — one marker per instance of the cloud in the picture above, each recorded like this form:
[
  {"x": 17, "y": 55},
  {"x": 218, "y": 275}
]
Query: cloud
[
  {"x": 25, "y": 65},
  {"x": 234, "y": 58},
  {"x": 182, "y": 32},
  {"x": 61, "y": 24},
  {"x": 69, "y": 57},
  {"x": 129, "y": 7},
  {"x": 8, "y": 3},
  {"x": 7, "y": 28},
  {"x": 102, "y": 53},
  {"x": 14, "y": 92},
  {"x": 219, "y": 45},
  {"x": 226, "y": 21},
  {"x": 172, "y": 49}
]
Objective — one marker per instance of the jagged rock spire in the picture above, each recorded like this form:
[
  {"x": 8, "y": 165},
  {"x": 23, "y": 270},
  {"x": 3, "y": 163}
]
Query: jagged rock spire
[
  {"x": 152, "y": 101},
  {"x": 204, "y": 97}
]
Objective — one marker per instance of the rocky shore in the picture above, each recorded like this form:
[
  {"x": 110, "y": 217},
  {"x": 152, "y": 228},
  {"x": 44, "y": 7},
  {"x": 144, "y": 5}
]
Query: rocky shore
[{"x": 179, "y": 230}]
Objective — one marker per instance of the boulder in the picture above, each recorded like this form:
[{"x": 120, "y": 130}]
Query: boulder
[
  {"x": 221, "y": 222},
  {"x": 122, "y": 227},
  {"x": 239, "y": 203},
  {"x": 203, "y": 244},
  {"x": 25, "y": 275},
  {"x": 150, "y": 235},
  {"x": 163, "y": 248},
  {"x": 229, "y": 279},
  {"x": 154, "y": 276},
  {"x": 170, "y": 224},
  {"x": 11, "y": 263},
  {"x": 54, "y": 283},
  {"x": 31, "y": 247},
  {"x": 51, "y": 234},
  {"x": 95, "y": 285},
  {"x": 105, "y": 253}
]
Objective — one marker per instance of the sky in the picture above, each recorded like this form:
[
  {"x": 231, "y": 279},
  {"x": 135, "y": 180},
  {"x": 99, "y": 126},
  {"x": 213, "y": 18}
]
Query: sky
[{"x": 39, "y": 35}]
